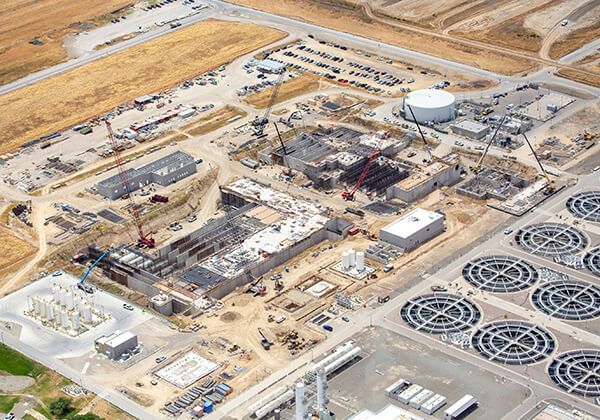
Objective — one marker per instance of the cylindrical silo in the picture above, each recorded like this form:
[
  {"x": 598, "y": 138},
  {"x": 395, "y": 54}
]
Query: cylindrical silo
[
  {"x": 36, "y": 305},
  {"x": 345, "y": 261},
  {"x": 352, "y": 255},
  {"x": 64, "y": 318},
  {"x": 87, "y": 314},
  {"x": 301, "y": 406},
  {"x": 360, "y": 261},
  {"x": 49, "y": 311},
  {"x": 429, "y": 105},
  {"x": 322, "y": 400},
  {"x": 69, "y": 300},
  {"x": 63, "y": 296},
  {"x": 82, "y": 304},
  {"x": 56, "y": 293},
  {"x": 75, "y": 321},
  {"x": 42, "y": 309}
]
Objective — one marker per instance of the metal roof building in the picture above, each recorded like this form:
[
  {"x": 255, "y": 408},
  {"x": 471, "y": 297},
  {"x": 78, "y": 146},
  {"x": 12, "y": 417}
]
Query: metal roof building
[
  {"x": 163, "y": 171},
  {"x": 270, "y": 66},
  {"x": 413, "y": 229}
]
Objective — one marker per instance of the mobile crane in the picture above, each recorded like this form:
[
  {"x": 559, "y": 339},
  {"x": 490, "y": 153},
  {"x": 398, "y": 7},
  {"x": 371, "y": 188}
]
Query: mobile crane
[
  {"x": 550, "y": 188},
  {"x": 421, "y": 133},
  {"x": 348, "y": 195},
  {"x": 477, "y": 167},
  {"x": 85, "y": 287},
  {"x": 288, "y": 171},
  {"x": 259, "y": 123}
]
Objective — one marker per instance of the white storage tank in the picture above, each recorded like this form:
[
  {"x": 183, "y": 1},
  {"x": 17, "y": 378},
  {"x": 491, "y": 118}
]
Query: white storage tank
[
  {"x": 87, "y": 314},
  {"x": 36, "y": 305},
  {"x": 42, "y": 309},
  {"x": 56, "y": 293},
  {"x": 75, "y": 321},
  {"x": 430, "y": 105},
  {"x": 64, "y": 318},
  {"x": 352, "y": 255},
  {"x": 69, "y": 300},
  {"x": 49, "y": 311},
  {"x": 345, "y": 261},
  {"x": 360, "y": 261},
  {"x": 63, "y": 297}
]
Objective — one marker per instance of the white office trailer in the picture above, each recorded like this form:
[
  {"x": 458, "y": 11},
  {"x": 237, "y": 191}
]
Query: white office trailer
[
  {"x": 413, "y": 229},
  {"x": 433, "y": 404},
  {"x": 418, "y": 400},
  {"x": 389, "y": 391},
  {"x": 406, "y": 395},
  {"x": 460, "y": 407}
]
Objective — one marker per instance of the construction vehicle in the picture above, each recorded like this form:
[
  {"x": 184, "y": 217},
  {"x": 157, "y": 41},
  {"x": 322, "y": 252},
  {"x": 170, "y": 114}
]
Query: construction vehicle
[
  {"x": 550, "y": 188},
  {"x": 278, "y": 284},
  {"x": 421, "y": 133},
  {"x": 477, "y": 167},
  {"x": 257, "y": 288},
  {"x": 348, "y": 195},
  {"x": 439, "y": 289},
  {"x": 264, "y": 341},
  {"x": 145, "y": 239},
  {"x": 259, "y": 123},
  {"x": 286, "y": 171}
]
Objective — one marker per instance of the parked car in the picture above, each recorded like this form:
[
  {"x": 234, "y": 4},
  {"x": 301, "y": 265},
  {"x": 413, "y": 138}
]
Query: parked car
[
  {"x": 192, "y": 219},
  {"x": 508, "y": 231},
  {"x": 327, "y": 327},
  {"x": 128, "y": 306},
  {"x": 345, "y": 319},
  {"x": 160, "y": 359}
]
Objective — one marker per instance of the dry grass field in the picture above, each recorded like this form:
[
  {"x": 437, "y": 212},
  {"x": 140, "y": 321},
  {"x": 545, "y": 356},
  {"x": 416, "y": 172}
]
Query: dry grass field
[
  {"x": 297, "y": 86},
  {"x": 212, "y": 121},
  {"x": 73, "y": 97},
  {"x": 343, "y": 16},
  {"x": 48, "y": 21},
  {"x": 574, "y": 40},
  {"x": 13, "y": 249}
]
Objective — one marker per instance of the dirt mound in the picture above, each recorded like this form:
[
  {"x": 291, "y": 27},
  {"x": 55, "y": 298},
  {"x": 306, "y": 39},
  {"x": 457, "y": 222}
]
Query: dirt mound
[{"x": 230, "y": 316}]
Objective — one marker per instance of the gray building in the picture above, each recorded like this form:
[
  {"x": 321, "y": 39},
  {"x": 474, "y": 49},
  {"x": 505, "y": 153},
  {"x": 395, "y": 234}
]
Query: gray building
[
  {"x": 114, "y": 345},
  {"x": 413, "y": 229},
  {"x": 163, "y": 171},
  {"x": 270, "y": 66},
  {"x": 469, "y": 128}
]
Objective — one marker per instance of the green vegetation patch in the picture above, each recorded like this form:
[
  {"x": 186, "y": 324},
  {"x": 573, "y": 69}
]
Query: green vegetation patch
[
  {"x": 16, "y": 364},
  {"x": 7, "y": 402}
]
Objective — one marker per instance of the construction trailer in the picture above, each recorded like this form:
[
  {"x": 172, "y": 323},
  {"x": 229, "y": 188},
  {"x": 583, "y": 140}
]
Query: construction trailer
[{"x": 460, "y": 407}]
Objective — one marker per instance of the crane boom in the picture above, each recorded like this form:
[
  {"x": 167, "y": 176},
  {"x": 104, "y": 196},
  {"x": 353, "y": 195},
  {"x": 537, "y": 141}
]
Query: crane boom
[
  {"x": 260, "y": 123},
  {"x": 349, "y": 195},
  {"x": 487, "y": 147},
  {"x": 551, "y": 188},
  {"x": 145, "y": 239},
  {"x": 421, "y": 133},
  {"x": 289, "y": 173}
]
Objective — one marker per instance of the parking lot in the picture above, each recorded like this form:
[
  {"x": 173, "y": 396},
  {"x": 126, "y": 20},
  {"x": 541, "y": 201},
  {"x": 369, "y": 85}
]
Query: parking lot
[{"x": 358, "y": 69}]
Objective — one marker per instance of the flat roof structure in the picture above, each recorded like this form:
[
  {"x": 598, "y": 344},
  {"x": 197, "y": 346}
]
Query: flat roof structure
[
  {"x": 390, "y": 412},
  {"x": 411, "y": 223},
  {"x": 423, "y": 175},
  {"x": 187, "y": 369},
  {"x": 271, "y": 66}
]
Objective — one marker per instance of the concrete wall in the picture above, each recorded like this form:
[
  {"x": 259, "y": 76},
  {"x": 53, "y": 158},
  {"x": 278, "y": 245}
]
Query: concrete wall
[{"x": 447, "y": 177}]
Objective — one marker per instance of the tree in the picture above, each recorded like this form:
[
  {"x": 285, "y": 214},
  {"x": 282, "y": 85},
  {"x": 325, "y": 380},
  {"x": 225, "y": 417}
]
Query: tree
[{"x": 60, "y": 407}]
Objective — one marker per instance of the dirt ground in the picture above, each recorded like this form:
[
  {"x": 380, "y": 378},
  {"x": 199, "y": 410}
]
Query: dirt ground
[
  {"x": 580, "y": 77},
  {"x": 212, "y": 121},
  {"x": 574, "y": 40},
  {"x": 47, "y": 21},
  {"x": 288, "y": 90},
  {"x": 73, "y": 97},
  {"x": 350, "y": 18}
]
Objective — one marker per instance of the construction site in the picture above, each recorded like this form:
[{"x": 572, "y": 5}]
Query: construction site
[{"x": 303, "y": 223}]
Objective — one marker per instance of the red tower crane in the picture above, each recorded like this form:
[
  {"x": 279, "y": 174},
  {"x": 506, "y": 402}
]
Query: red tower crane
[
  {"x": 145, "y": 239},
  {"x": 349, "y": 194}
]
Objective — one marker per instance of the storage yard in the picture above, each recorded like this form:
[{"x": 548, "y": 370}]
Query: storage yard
[{"x": 216, "y": 212}]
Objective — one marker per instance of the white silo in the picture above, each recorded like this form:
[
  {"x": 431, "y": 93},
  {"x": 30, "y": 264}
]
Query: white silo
[
  {"x": 82, "y": 304},
  {"x": 36, "y": 305},
  {"x": 63, "y": 296},
  {"x": 345, "y": 261},
  {"x": 301, "y": 403},
  {"x": 30, "y": 300},
  {"x": 56, "y": 314},
  {"x": 75, "y": 321},
  {"x": 42, "y": 309},
  {"x": 69, "y": 300},
  {"x": 87, "y": 314},
  {"x": 360, "y": 261},
  {"x": 322, "y": 400},
  {"x": 64, "y": 318},
  {"x": 352, "y": 256},
  {"x": 56, "y": 293},
  {"x": 76, "y": 300},
  {"x": 49, "y": 311}
]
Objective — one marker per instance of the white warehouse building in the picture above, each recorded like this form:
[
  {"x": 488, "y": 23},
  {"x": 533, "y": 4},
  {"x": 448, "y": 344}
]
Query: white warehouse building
[
  {"x": 413, "y": 229},
  {"x": 430, "y": 105}
]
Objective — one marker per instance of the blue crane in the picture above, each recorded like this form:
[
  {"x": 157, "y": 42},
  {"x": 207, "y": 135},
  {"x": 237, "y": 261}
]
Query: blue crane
[{"x": 81, "y": 284}]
